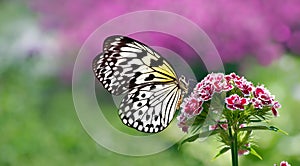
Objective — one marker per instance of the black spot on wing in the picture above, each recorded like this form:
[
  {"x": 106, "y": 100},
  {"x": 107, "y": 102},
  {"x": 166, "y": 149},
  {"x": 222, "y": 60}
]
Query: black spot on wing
[
  {"x": 150, "y": 77},
  {"x": 137, "y": 74},
  {"x": 148, "y": 117},
  {"x": 148, "y": 103},
  {"x": 152, "y": 87},
  {"x": 155, "y": 117},
  {"x": 132, "y": 83},
  {"x": 142, "y": 54},
  {"x": 156, "y": 63},
  {"x": 135, "y": 66},
  {"x": 116, "y": 55}
]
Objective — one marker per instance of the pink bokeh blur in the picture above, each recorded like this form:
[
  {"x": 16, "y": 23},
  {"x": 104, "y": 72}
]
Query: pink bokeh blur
[{"x": 262, "y": 29}]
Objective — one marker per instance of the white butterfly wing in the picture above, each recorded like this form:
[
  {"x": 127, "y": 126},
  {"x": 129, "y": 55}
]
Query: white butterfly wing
[{"x": 150, "y": 108}]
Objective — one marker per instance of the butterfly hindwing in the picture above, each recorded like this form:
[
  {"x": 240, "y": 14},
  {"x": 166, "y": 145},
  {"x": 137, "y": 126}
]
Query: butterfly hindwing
[
  {"x": 126, "y": 63},
  {"x": 150, "y": 108}
]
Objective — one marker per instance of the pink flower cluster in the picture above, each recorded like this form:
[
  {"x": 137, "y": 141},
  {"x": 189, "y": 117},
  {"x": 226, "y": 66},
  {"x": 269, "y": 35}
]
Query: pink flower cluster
[
  {"x": 241, "y": 95},
  {"x": 192, "y": 106},
  {"x": 215, "y": 82}
]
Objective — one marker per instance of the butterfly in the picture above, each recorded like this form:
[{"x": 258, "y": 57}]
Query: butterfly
[{"x": 153, "y": 92}]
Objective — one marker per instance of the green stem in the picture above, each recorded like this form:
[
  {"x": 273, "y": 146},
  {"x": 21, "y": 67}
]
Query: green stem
[{"x": 234, "y": 147}]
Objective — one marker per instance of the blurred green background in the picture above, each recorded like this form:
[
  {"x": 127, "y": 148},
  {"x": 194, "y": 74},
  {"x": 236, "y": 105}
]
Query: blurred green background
[{"x": 39, "y": 125}]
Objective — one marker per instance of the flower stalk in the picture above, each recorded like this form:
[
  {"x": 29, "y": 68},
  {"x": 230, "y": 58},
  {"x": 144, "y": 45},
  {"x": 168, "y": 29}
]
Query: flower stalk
[{"x": 234, "y": 146}]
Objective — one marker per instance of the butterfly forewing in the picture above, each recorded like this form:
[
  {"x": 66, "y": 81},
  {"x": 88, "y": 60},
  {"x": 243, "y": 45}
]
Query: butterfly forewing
[
  {"x": 129, "y": 67},
  {"x": 126, "y": 63}
]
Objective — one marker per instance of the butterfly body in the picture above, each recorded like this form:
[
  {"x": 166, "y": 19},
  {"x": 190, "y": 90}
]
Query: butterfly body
[{"x": 151, "y": 87}]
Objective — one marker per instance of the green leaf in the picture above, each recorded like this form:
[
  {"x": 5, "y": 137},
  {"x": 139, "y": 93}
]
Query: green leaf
[
  {"x": 272, "y": 128},
  {"x": 189, "y": 139},
  {"x": 256, "y": 120},
  {"x": 254, "y": 153},
  {"x": 222, "y": 151},
  {"x": 201, "y": 135}
]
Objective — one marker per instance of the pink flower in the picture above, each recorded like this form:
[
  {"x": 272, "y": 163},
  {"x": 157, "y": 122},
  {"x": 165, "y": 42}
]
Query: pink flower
[
  {"x": 224, "y": 84},
  {"x": 219, "y": 82},
  {"x": 244, "y": 151},
  {"x": 182, "y": 123},
  {"x": 263, "y": 95},
  {"x": 234, "y": 102},
  {"x": 192, "y": 106},
  {"x": 233, "y": 76},
  {"x": 216, "y": 126},
  {"x": 283, "y": 163},
  {"x": 240, "y": 82},
  {"x": 257, "y": 103},
  {"x": 206, "y": 91},
  {"x": 275, "y": 106},
  {"x": 245, "y": 86},
  {"x": 242, "y": 125}
]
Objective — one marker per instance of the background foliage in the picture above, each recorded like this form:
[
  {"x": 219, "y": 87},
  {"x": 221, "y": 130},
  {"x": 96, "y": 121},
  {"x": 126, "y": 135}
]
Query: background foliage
[{"x": 38, "y": 122}]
